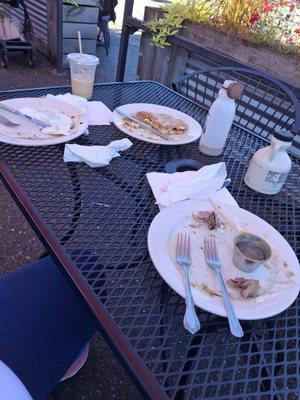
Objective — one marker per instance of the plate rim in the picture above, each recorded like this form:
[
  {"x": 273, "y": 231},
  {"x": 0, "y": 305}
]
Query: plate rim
[{"x": 162, "y": 142}]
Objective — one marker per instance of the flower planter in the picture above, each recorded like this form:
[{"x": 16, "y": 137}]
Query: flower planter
[
  {"x": 283, "y": 66},
  {"x": 163, "y": 65}
]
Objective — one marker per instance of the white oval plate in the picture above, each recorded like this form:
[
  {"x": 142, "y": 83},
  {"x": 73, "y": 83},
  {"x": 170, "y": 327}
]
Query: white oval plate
[
  {"x": 23, "y": 135},
  {"x": 280, "y": 279},
  {"x": 194, "y": 128}
]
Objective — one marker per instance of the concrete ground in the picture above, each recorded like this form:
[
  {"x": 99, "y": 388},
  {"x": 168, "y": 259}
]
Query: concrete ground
[{"x": 102, "y": 377}]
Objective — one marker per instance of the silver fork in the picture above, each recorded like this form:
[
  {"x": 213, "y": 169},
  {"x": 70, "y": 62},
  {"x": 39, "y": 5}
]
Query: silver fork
[
  {"x": 183, "y": 258},
  {"x": 212, "y": 259}
]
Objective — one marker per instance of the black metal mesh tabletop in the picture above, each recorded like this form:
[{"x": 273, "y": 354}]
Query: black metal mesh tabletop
[{"x": 101, "y": 218}]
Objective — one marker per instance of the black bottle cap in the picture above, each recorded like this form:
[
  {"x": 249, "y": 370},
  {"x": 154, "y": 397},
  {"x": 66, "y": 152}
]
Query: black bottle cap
[{"x": 283, "y": 135}]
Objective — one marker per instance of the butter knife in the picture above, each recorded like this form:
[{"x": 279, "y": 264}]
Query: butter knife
[
  {"x": 143, "y": 125},
  {"x": 6, "y": 122},
  {"x": 34, "y": 120}
]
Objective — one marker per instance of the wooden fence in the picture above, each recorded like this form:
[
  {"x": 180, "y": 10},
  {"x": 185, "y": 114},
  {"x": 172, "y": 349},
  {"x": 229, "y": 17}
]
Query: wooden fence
[{"x": 64, "y": 21}]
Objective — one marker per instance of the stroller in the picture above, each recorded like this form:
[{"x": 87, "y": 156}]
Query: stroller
[{"x": 23, "y": 43}]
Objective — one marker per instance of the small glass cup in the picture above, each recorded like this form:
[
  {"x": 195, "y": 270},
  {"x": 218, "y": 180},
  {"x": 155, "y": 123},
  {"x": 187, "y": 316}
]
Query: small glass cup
[
  {"x": 250, "y": 251},
  {"x": 83, "y": 68}
]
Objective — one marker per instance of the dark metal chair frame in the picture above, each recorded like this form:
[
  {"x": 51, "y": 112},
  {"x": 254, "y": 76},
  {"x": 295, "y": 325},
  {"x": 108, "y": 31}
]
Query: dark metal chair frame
[{"x": 266, "y": 104}]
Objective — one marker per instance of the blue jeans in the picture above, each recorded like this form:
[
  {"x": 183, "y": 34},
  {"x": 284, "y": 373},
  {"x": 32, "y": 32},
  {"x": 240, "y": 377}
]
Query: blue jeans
[
  {"x": 43, "y": 325},
  {"x": 104, "y": 28}
]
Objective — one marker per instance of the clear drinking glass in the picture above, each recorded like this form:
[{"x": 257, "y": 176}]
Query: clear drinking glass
[{"x": 83, "y": 68}]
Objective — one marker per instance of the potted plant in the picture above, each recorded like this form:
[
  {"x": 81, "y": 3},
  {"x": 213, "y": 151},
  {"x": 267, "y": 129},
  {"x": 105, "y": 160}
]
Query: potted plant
[{"x": 264, "y": 34}]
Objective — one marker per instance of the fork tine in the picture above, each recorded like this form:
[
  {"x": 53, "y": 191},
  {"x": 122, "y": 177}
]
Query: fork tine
[
  {"x": 215, "y": 250},
  {"x": 205, "y": 248},
  {"x": 180, "y": 244},
  {"x": 208, "y": 256},
  {"x": 185, "y": 245},
  {"x": 212, "y": 251},
  {"x": 210, "y": 246},
  {"x": 189, "y": 247},
  {"x": 177, "y": 245}
]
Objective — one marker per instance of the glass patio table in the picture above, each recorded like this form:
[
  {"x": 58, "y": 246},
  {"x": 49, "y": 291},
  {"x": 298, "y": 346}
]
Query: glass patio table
[{"x": 95, "y": 222}]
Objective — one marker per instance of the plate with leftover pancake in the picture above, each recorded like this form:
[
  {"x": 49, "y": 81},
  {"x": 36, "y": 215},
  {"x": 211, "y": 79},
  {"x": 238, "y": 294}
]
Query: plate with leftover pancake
[{"x": 178, "y": 126}]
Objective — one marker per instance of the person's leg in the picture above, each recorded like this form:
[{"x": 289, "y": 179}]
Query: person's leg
[
  {"x": 104, "y": 28},
  {"x": 100, "y": 13},
  {"x": 43, "y": 325}
]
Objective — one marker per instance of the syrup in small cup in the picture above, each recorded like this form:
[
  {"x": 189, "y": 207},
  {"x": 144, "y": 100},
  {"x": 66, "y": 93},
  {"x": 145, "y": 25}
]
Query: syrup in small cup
[{"x": 250, "y": 251}]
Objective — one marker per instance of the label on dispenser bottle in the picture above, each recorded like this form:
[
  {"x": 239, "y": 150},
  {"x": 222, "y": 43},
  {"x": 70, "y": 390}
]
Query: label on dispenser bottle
[
  {"x": 263, "y": 180},
  {"x": 275, "y": 177}
]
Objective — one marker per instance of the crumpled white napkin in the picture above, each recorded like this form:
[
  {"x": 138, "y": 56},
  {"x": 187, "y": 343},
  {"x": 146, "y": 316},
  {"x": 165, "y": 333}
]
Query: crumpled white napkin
[
  {"x": 97, "y": 112},
  {"x": 201, "y": 184},
  {"x": 95, "y": 156}
]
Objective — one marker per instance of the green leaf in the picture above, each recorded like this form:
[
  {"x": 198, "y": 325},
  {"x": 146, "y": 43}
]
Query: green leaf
[{"x": 72, "y": 2}]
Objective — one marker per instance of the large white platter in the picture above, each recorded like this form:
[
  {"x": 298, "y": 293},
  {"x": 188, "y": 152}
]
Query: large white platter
[
  {"x": 280, "y": 278},
  {"x": 194, "y": 128},
  {"x": 23, "y": 135}
]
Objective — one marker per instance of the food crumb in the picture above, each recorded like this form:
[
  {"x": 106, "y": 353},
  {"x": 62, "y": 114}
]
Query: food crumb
[
  {"x": 249, "y": 287},
  {"x": 289, "y": 274},
  {"x": 208, "y": 291}
]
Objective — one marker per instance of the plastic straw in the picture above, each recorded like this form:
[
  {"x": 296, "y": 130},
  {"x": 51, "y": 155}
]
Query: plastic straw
[{"x": 80, "y": 42}]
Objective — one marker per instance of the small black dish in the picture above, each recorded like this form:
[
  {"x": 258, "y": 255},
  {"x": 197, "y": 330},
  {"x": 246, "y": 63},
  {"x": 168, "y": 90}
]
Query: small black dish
[{"x": 182, "y": 164}]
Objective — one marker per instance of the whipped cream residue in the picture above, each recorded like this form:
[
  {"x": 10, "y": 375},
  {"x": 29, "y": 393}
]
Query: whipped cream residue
[{"x": 60, "y": 124}]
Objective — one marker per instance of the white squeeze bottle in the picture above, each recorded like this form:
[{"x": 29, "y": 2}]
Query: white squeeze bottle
[
  {"x": 220, "y": 118},
  {"x": 270, "y": 165}
]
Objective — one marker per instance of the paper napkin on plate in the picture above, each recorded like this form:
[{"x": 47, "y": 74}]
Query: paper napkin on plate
[
  {"x": 95, "y": 156},
  {"x": 97, "y": 112},
  {"x": 201, "y": 184}
]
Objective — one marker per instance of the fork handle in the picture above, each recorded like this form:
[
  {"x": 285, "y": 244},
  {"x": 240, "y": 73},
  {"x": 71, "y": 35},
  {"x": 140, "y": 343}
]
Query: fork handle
[
  {"x": 190, "y": 320},
  {"x": 234, "y": 323}
]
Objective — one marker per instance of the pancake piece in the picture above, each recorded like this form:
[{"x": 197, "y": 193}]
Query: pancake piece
[{"x": 164, "y": 123}]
